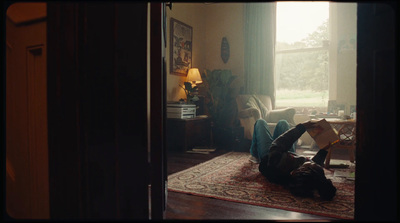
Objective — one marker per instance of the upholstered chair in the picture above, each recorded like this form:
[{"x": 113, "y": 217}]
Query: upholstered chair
[{"x": 254, "y": 107}]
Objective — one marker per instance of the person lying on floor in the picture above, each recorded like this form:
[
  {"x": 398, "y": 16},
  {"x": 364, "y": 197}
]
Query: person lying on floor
[{"x": 281, "y": 165}]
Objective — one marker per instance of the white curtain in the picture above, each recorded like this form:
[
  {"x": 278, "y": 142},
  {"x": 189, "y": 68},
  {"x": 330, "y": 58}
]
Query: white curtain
[{"x": 259, "y": 37}]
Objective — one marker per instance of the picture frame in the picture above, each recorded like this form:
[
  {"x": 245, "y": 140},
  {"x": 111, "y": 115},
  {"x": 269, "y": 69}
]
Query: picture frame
[{"x": 180, "y": 47}]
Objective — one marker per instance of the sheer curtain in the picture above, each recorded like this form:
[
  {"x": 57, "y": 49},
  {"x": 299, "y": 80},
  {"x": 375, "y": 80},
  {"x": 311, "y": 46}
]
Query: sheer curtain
[{"x": 259, "y": 37}]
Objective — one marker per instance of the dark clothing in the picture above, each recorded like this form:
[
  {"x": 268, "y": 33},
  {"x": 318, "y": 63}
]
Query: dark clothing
[
  {"x": 280, "y": 162},
  {"x": 310, "y": 177}
]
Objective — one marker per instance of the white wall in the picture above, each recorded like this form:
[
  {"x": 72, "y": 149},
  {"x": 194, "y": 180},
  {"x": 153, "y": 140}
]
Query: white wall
[
  {"x": 191, "y": 14},
  {"x": 343, "y": 57},
  {"x": 225, "y": 20},
  {"x": 210, "y": 22}
]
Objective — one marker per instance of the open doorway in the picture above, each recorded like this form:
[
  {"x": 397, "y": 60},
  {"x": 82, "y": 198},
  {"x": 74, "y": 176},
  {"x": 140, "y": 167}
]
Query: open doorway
[{"x": 206, "y": 46}]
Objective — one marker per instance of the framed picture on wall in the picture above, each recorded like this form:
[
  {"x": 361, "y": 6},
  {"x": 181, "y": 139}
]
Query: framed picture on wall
[{"x": 180, "y": 48}]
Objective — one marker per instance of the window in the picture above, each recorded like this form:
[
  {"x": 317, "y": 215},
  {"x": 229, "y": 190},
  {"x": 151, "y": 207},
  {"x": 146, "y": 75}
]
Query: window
[{"x": 302, "y": 55}]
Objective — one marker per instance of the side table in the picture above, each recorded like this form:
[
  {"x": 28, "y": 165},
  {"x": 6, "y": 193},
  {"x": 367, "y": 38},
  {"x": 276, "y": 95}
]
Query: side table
[
  {"x": 346, "y": 130},
  {"x": 347, "y": 138},
  {"x": 184, "y": 134}
]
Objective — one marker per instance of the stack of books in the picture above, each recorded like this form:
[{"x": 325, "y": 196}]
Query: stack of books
[{"x": 181, "y": 110}]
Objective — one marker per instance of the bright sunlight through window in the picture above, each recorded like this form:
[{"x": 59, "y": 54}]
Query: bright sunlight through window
[{"x": 301, "y": 60}]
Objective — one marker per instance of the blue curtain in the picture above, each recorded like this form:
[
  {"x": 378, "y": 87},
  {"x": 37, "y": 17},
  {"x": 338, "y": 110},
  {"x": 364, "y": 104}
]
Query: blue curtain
[{"x": 259, "y": 50}]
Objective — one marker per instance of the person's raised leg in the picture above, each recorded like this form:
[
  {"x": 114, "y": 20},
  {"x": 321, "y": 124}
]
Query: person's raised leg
[
  {"x": 261, "y": 141},
  {"x": 281, "y": 127}
]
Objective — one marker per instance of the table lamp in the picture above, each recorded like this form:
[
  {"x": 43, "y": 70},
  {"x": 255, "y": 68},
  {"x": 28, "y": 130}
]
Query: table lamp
[{"x": 194, "y": 77}]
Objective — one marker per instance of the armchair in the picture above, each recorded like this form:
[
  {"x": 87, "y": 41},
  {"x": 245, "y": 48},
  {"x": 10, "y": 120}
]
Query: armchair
[{"x": 254, "y": 107}]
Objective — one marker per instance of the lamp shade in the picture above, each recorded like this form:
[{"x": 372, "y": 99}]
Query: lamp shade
[{"x": 194, "y": 76}]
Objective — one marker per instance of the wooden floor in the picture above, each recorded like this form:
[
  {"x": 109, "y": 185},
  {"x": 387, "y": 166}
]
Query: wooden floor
[{"x": 190, "y": 207}]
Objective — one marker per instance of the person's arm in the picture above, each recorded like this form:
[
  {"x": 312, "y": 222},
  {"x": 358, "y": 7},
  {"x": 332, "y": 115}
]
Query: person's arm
[
  {"x": 285, "y": 141},
  {"x": 310, "y": 123}
]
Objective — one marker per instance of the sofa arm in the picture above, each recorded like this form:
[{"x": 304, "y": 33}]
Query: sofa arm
[
  {"x": 278, "y": 114},
  {"x": 249, "y": 112}
]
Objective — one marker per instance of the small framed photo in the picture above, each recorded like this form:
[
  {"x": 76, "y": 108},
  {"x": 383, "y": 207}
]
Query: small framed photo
[{"x": 180, "y": 48}]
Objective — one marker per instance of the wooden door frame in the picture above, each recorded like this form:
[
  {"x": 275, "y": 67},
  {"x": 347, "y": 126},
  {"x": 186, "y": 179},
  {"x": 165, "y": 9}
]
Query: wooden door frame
[
  {"x": 26, "y": 152},
  {"x": 157, "y": 112}
]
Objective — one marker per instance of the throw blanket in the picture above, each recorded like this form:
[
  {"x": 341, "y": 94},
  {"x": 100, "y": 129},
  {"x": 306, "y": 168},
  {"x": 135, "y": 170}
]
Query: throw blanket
[{"x": 255, "y": 102}]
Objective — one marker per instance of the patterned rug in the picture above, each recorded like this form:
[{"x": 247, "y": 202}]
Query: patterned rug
[{"x": 233, "y": 177}]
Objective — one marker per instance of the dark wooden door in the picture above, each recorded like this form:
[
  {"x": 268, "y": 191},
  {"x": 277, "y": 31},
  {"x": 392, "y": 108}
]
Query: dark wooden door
[
  {"x": 98, "y": 111},
  {"x": 376, "y": 194}
]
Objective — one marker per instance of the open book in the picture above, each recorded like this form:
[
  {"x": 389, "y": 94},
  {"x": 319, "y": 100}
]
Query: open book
[{"x": 323, "y": 133}]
